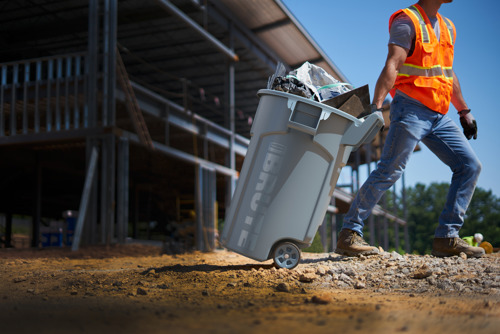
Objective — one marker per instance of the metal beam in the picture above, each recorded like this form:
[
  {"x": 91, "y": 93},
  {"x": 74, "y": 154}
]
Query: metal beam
[
  {"x": 272, "y": 25},
  {"x": 186, "y": 19},
  {"x": 244, "y": 35},
  {"x": 183, "y": 156},
  {"x": 51, "y": 136},
  {"x": 85, "y": 199},
  {"x": 155, "y": 105}
]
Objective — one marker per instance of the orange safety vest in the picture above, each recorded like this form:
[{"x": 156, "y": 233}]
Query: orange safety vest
[{"x": 427, "y": 74}]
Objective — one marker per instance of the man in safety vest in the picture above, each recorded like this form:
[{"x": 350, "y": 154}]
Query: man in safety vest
[
  {"x": 474, "y": 240},
  {"x": 419, "y": 75}
]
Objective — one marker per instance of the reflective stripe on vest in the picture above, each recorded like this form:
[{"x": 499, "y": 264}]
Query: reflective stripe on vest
[
  {"x": 423, "y": 26},
  {"x": 427, "y": 74},
  {"x": 450, "y": 28},
  {"x": 434, "y": 71}
]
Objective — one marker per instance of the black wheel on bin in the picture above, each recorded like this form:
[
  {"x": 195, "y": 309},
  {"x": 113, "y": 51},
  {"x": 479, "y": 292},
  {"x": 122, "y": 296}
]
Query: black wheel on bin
[{"x": 286, "y": 255}]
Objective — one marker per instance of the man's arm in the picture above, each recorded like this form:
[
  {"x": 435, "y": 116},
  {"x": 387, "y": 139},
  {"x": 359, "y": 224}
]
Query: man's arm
[
  {"x": 467, "y": 121},
  {"x": 456, "y": 97},
  {"x": 395, "y": 59}
]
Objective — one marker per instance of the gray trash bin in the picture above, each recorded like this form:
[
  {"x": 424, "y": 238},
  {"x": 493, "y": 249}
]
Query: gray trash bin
[{"x": 297, "y": 150}]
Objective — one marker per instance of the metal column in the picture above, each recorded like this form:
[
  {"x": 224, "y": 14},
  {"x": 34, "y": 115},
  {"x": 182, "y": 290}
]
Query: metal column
[
  {"x": 108, "y": 163},
  {"x": 3, "y": 83},
  {"x": 334, "y": 228},
  {"x": 109, "y": 62},
  {"x": 92, "y": 64},
  {"x": 323, "y": 234},
  {"x": 37, "y": 214},
  {"x": 405, "y": 216},
  {"x": 396, "y": 224},
  {"x": 82, "y": 211},
  {"x": 91, "y": 232},
  {"x": 231, "y": 180},
  {"x": 205, "y": 193},
  {"x": 385, "y": 225},
  {"x": 358, "y": 163},
  {"x": 13, "y": 117},
  {"x": 334, "y": 232},
  {"x": 371, "y": 218},
  {"x": 122, "y": 208}
]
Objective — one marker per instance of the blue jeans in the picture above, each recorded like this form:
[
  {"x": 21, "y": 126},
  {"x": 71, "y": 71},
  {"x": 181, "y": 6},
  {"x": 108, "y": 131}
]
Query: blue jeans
[{"x": 410, "y": 124}]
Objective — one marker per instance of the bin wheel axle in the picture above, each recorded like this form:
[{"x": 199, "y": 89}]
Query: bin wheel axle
[{"x": 286, "y": 255}]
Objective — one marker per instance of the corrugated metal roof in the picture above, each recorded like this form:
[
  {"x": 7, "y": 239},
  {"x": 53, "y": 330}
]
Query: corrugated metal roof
[{"x": 272, "y": 22}]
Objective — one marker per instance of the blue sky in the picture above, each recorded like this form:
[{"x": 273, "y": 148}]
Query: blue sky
[{"x": 354, "y": 34}]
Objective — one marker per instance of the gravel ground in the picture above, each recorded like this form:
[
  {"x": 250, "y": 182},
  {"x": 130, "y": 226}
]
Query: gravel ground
[
  {"x": 392, "y": 272},
  {"x": 135, "y": 288}
]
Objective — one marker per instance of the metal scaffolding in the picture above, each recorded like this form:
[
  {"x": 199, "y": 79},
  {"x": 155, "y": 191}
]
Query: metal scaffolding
[{"x": 130, "y": 148}]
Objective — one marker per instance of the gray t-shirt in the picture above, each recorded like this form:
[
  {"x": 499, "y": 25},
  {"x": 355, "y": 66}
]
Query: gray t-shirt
[{"x": 402, "y": 31}]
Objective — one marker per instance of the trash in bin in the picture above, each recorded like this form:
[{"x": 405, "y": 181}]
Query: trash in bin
[
  {"x": 297, "y": 150},
  {"x": 291, "y": 85},
  {"x": 313, "y": 82},
  {"x": 355, "y": 102},
  {"x": 320, "y": 82},
  {"x": 288, "y": 83},
  {"x": 309, "y": 80}
]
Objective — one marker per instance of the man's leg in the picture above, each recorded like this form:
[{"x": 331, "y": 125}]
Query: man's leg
[
  {"x": 409, "y": 123},
  {"x": 449, "y": 144}
]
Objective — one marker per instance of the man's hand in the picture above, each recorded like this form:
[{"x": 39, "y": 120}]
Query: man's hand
[
  {"x": 468, "y": 124},
  {"x": 378, "y": 111}
]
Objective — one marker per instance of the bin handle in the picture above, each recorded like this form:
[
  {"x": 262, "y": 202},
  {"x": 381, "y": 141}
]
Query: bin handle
[
  {"x": 356, "y": 135},
  {"x": 309, "y": 129}
]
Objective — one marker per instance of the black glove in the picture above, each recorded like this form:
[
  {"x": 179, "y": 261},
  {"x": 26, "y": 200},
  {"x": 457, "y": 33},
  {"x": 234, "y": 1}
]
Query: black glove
[
  {"x": 374, "y": 109},
  {"x": 468, "y": 124}
]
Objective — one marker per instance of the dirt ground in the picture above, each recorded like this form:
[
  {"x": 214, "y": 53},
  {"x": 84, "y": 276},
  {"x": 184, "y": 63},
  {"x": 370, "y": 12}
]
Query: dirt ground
[{"x": 134, "y": 288}]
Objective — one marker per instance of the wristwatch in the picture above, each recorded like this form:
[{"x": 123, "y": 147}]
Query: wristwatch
[{"x": 463, "y": 112}]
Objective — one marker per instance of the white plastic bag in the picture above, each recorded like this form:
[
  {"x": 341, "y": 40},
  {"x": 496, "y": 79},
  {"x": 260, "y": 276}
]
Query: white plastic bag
[{"x": 320, "y": 82}]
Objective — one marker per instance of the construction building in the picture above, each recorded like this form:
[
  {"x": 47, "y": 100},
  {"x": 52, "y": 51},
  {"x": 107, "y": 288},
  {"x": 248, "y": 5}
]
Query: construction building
[{"x": 134, "y": 116}]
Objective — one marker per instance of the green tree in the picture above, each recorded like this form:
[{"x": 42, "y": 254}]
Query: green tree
[
  {"x": 425, "y": 204},
  {"x": 483, "y": 216}
]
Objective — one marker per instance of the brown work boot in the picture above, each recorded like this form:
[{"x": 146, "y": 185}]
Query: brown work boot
[
  {"x": 351, "y": 243},
  {"x": 443, "y": 247}
]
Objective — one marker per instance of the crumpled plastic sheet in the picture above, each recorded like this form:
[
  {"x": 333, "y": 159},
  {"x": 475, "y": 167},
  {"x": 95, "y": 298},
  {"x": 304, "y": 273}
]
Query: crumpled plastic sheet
[{"x": 309, "y": 80}]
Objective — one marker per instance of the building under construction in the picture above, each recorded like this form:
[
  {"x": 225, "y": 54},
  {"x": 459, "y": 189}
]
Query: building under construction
[{"x": 137, "y": 115}]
